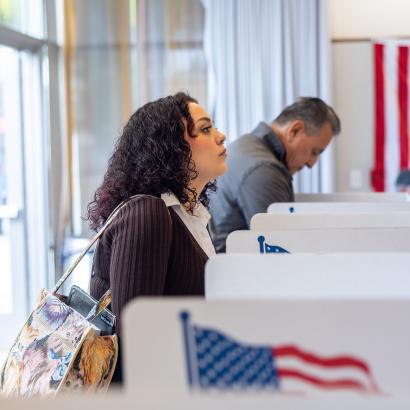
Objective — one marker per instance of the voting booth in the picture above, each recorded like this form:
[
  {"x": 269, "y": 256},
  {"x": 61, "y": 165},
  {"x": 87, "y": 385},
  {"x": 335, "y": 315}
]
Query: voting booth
[
  {"x": 308, "y": 276},
  {"x": 266, "y": 222},
  {"x": 353, "y": 197},
  {"x": 378, "y": 240},
  {"x": 337, "y": 207},
  {"x": 128, "y": 401},
  {"x": 183, "y": 354},
  {"x": 295, "y": 349}
]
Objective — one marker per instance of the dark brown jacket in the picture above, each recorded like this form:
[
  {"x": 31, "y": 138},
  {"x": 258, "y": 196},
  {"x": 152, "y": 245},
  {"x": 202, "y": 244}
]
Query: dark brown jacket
[{"x": 147, "y": 251}]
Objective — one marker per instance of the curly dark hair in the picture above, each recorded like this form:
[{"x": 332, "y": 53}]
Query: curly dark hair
[{"x": 151, "y": 157}]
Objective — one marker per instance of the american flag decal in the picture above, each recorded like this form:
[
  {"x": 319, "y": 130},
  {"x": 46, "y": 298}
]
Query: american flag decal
[
  {"x": 266, "y": 248},
  {"x": 217, "y": 361}
]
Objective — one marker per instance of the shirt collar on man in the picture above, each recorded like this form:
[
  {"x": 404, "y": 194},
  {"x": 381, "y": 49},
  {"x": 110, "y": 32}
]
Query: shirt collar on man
[
  {"x": 199, "y": 211},
  {"x": 266, "y": 132}
]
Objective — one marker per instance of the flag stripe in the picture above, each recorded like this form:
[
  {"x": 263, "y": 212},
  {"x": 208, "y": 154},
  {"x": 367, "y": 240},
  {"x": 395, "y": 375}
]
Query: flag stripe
[
  {"x": 379, "y": 120},
  {"x": 403, "y": 93},
  {"x": 336, "y": 361},
  {"x": 326, "y": 384}
]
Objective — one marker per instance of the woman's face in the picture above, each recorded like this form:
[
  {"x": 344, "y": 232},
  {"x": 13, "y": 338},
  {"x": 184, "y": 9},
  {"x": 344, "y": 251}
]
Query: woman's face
[{"x": 208, "y": 151}]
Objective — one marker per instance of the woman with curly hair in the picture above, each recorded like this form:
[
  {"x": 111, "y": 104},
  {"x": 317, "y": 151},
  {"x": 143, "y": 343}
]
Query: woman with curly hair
[{"x": 169, "y": 154}]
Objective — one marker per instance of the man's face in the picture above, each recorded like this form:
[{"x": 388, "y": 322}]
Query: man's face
[{"x": 304, "y": 150}]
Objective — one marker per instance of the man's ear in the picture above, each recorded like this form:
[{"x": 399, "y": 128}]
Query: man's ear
[{"x": 296, "y": 128}]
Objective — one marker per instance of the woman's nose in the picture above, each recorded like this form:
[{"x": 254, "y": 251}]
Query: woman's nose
[{"x": 221, "y": 138}]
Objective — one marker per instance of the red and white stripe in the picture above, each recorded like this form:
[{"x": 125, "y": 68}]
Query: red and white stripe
[
  {"x": 297, "y": 367},
  {"x": 391, "y": 112}
]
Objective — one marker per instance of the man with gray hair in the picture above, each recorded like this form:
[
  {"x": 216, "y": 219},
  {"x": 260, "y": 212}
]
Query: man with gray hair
[{"x": 261, "y": 164}]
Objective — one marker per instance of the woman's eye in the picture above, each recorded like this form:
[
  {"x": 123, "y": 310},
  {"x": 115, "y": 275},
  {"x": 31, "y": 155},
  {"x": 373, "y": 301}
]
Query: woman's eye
[{"x": 206, "y": 130}]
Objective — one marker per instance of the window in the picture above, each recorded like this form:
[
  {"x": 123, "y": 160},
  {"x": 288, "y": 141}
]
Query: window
[
  {"x": 127, "y": 53},
  {"x": 13, "y": 303},
  {"x": 25, "y": 16},
  {"x": 24, "y": 240}
]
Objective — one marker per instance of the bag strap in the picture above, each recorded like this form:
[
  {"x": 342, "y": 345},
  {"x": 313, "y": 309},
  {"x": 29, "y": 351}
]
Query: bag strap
[{"x": 70, "y": 270}]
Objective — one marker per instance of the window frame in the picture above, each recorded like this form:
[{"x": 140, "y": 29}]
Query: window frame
[{"x": 32, "y": 262}]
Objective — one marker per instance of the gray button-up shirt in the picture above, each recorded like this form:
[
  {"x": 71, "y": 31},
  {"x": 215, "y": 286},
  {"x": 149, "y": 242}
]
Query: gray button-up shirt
[{"x": 257, "y": 176}]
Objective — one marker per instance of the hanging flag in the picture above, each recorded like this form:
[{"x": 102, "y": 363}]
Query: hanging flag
[
  {"x": 391, "y": 113},
  {"x": 215, "y": 360}
]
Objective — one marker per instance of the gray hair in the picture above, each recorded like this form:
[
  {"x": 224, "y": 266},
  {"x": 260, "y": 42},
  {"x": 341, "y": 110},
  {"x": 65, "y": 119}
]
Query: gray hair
[{"x": 313, "y": 111}]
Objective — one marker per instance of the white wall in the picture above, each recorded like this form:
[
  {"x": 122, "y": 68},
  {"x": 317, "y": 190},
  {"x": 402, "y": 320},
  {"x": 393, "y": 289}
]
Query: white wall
[
  {"x": 368, "y": 18},
  {"x": 353, "y": 100},
  {"x": 352, "y": 25}
]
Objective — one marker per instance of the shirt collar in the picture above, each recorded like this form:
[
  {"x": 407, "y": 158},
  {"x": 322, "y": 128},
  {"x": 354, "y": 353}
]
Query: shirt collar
[
  {"x": 266, "y": 132},
  {"x": 199, "y": 212}
]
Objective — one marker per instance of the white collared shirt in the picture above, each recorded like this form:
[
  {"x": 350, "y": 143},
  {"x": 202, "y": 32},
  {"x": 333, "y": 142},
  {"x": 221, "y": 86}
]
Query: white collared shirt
[{"x": 196, "y": 223}]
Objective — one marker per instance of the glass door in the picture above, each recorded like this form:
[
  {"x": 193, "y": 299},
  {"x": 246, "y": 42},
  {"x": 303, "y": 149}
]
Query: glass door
[{"x": 13, "y": 246}]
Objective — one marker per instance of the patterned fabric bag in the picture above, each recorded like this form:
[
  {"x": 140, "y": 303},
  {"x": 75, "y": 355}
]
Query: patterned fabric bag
[{"x": 58, "y": 349}]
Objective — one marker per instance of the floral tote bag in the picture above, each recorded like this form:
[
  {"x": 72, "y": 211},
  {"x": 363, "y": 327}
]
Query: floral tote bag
[{"x": 58, "y": 349}]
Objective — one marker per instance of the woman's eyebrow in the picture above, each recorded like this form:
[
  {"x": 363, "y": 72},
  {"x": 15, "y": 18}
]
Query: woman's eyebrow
[{"x": 205, "y": 119}]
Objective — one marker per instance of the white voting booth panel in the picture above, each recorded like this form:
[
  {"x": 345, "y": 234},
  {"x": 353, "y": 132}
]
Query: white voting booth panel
[
  {"x": 129, "y": 401},
  {"x": 353, "y": 197},
  {"x": 308, "y": 276},
  {"x": 267, "y": 222},
  {"x": 301, "y": 349},
  {"x": 337, "y": 207},
  {"x": 320, "y": 240}
]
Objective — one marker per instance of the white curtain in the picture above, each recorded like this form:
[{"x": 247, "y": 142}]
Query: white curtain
[{"x": 262, "y": 55}]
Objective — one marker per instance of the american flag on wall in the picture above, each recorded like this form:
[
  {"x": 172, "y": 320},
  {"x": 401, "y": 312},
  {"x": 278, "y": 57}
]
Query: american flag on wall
[
  {"x": 391, "y": 112},
  {"x": 217, "y": 361}
]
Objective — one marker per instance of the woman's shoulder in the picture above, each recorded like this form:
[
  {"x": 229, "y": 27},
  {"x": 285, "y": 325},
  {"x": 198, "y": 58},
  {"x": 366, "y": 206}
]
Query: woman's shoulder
[
  {"x": 142, "y": 212},
  {"x": 141, "y": 200},
  {"x": 144, "y": 207},
  {"x": 145, "y": 203}
]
